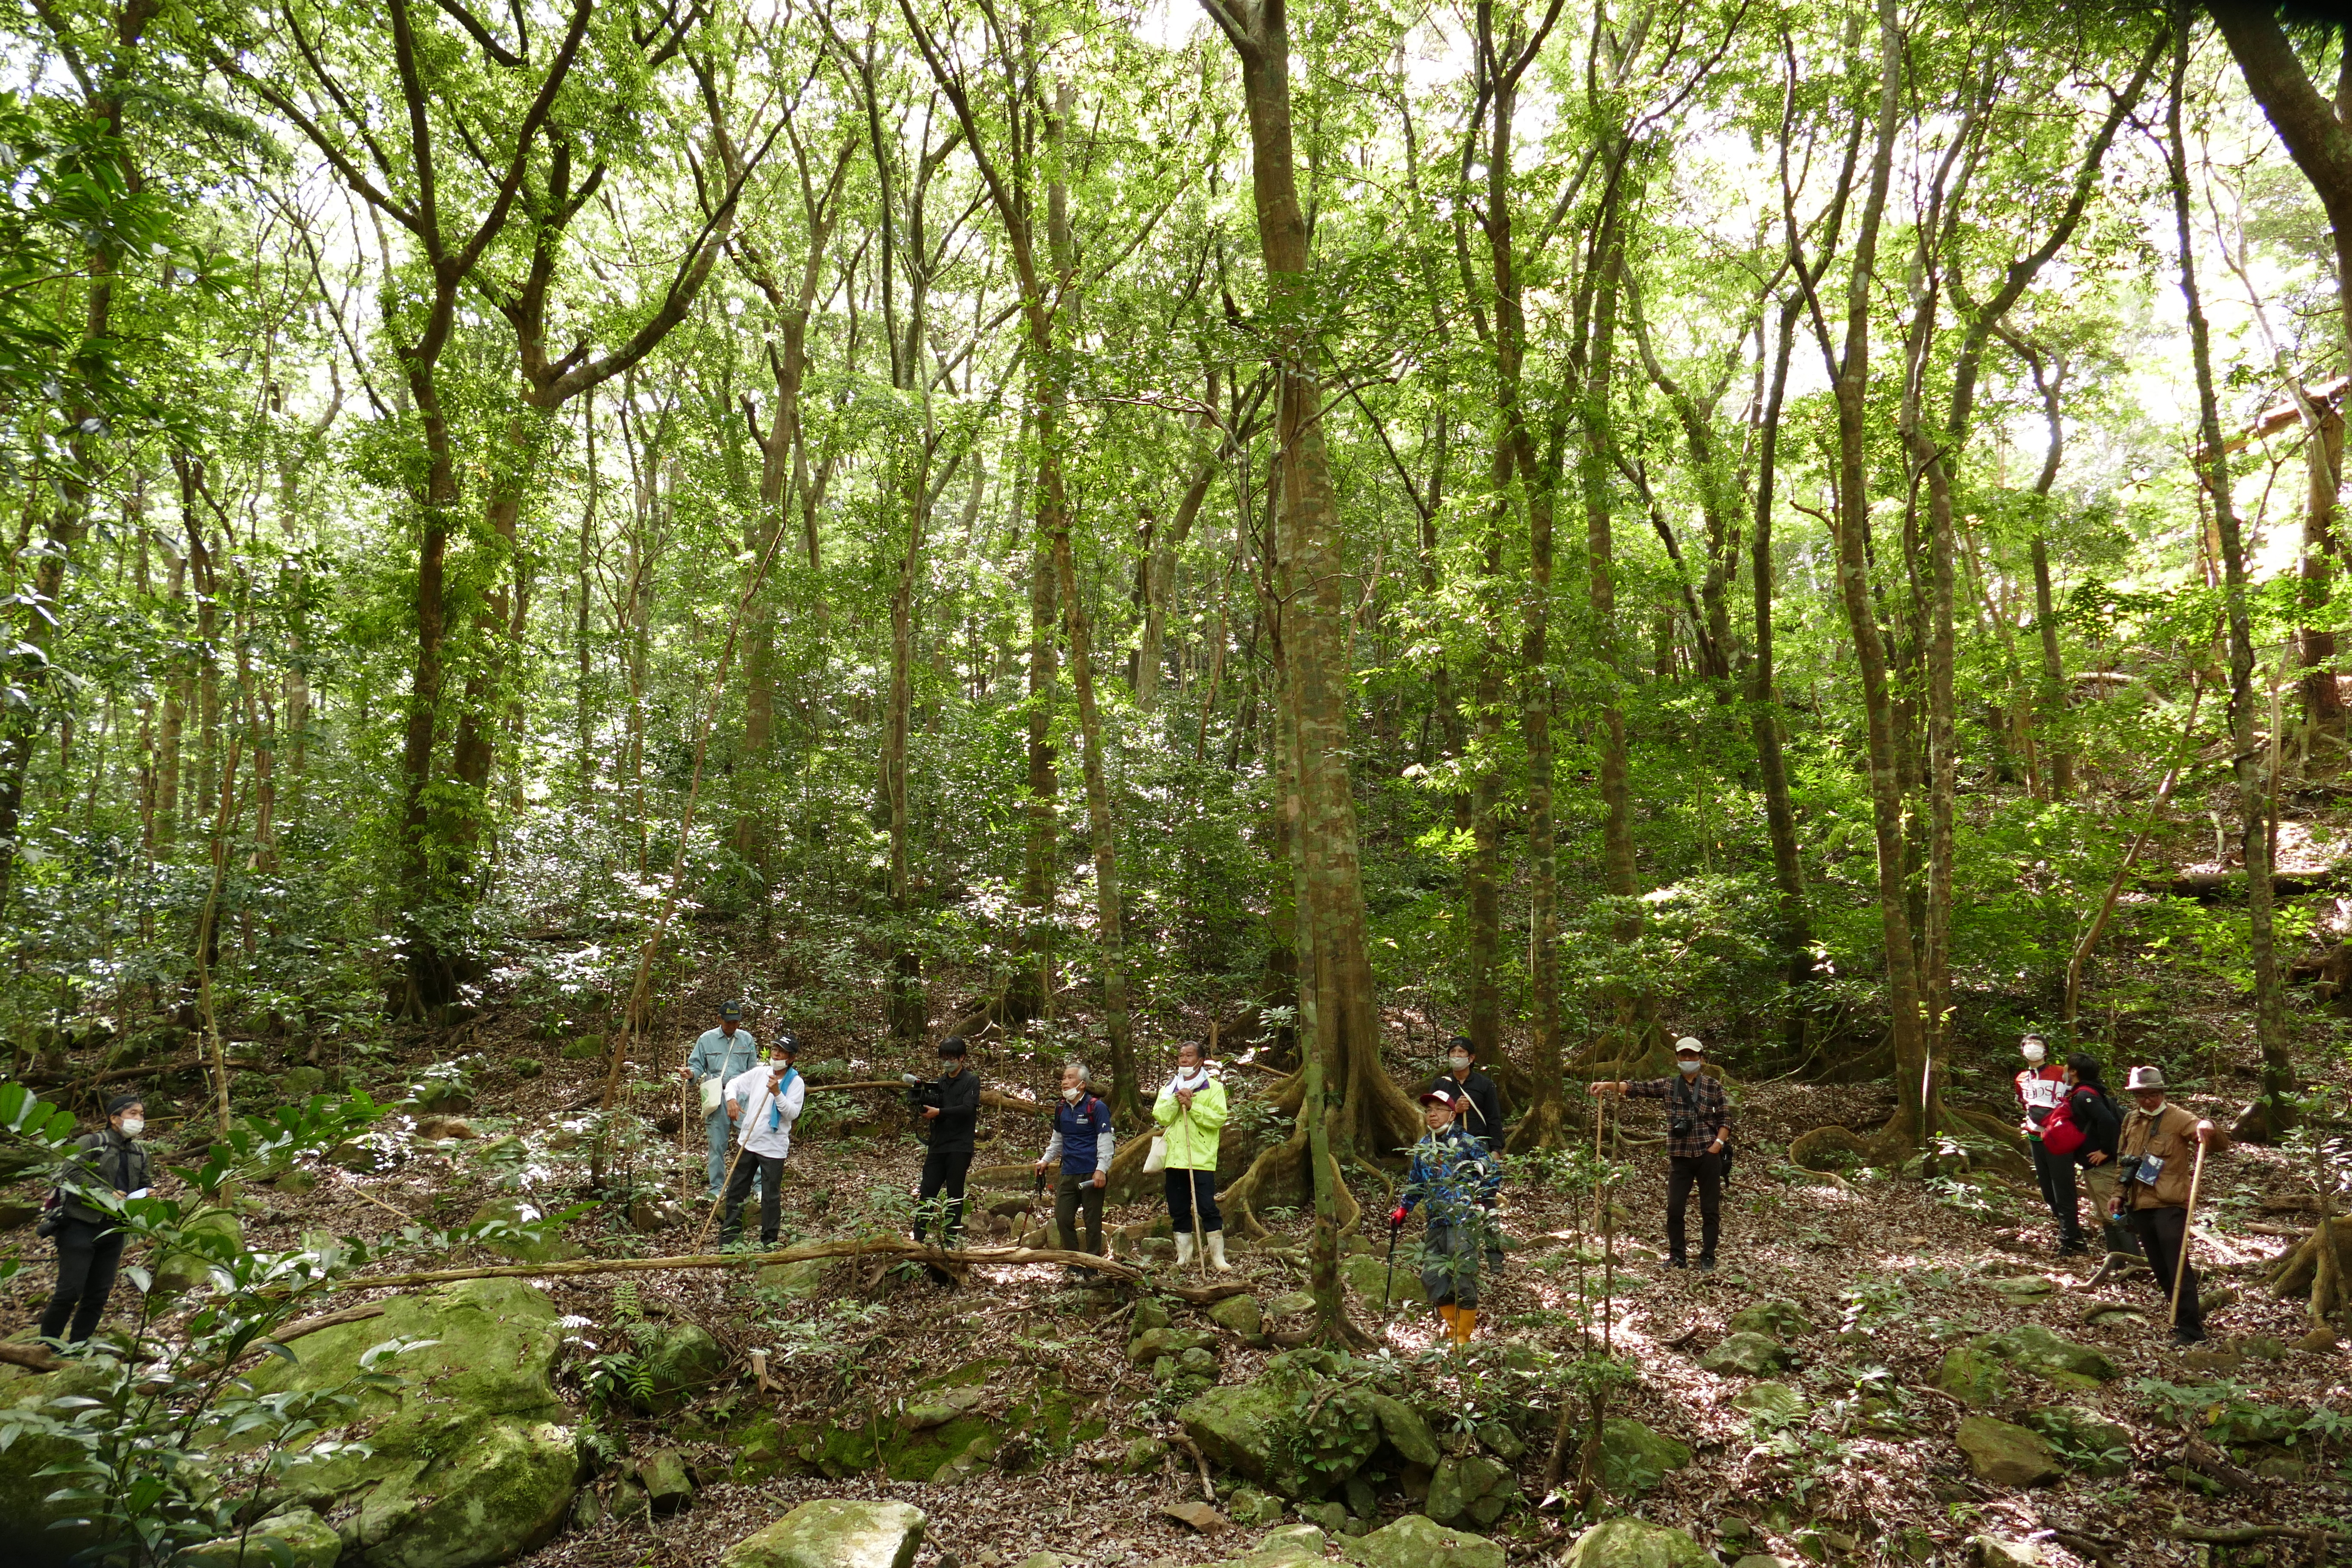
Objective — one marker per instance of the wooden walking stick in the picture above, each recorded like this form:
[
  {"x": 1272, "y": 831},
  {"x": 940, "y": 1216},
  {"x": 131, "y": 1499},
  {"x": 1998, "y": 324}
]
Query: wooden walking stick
[
  {"x": 2180, "y": 1259},
  {"x": 685, "y": 1141},
  {"x": 704, "y": 1235}
]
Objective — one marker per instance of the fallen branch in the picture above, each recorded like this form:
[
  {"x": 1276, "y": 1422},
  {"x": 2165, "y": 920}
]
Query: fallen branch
[
  {"x": 2246, "y": 1534},
  {"x": 1208, "y": 1486},
  {"x": 887, "y": 1247},
  {"x": 2207, "y": 1459},
  {"x": 2083, "y": 1546},
  {"x": 119, "y": 1074},
  {"x": 36, "y": 1357}
]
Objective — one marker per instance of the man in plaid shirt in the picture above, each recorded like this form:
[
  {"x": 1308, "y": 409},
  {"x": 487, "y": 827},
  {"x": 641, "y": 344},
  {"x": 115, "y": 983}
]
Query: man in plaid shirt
[{"x": 1698, "y": 1128}]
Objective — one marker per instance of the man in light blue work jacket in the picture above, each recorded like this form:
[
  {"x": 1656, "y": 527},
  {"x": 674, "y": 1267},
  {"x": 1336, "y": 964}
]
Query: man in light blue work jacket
[{"x": 721, "y": 1055}]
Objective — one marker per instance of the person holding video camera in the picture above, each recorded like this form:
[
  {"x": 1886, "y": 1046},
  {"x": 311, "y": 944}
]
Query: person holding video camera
[
  {"x": 950, "y": 1105},
  {"x": 1699, "y": 1130}
]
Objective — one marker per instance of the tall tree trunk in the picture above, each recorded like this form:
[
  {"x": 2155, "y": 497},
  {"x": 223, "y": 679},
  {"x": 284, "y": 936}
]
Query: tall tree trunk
[
  {"x": 1313, "y": 589},
  {"x": 2254, "y": 826},
  {"x": 1851, "y": 372},
  {"x": 1764, "y": 708},
  {"x": 1159, "y": 576},
  {"x": 2323, "y": 708}
]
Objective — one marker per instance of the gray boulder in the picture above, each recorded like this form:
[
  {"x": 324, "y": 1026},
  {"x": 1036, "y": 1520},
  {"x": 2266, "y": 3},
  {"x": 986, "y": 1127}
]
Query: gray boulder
[{"x": 834, "y": 1533}]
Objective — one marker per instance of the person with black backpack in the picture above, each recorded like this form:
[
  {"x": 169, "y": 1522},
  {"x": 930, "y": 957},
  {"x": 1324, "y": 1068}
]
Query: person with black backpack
[
  {"x": 90, "y": 1245},
  {"x": 1698, "y": 1144}
]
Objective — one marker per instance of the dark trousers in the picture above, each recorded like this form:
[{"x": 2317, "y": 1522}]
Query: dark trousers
[
  {"x": 942, "y": 1172},
  {"x": 1707, "y": 1170},
  {"x": 2163, "y": 1235},
  {"x": 1072, "y": 1193},
  {"x": 87, "y": 1255},
  {"x": 768, "y": 1170},
  {"x": 2055, "y": 1175},
  {"x": 1191, "y": 1191}
]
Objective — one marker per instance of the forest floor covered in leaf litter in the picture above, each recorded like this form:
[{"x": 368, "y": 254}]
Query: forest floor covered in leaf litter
[{"x": 1889, "y": 1272}]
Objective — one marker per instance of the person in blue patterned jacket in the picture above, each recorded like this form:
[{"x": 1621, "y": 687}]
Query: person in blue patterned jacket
[{"x": 1450, "y": 1170}]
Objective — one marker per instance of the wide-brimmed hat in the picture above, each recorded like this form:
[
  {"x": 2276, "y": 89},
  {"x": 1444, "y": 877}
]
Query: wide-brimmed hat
[{"x": 2145, "y": 1078}]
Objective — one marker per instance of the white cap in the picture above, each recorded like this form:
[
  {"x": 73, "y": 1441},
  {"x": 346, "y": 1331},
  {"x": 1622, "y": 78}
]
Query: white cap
[{"x": 1689, "y": 1043}]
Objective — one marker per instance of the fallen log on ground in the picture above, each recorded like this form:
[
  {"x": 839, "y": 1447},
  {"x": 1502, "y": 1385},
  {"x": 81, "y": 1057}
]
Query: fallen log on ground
[
  {"x": 880, "y": 1246},
  {"x": 38, "y": 1358}
]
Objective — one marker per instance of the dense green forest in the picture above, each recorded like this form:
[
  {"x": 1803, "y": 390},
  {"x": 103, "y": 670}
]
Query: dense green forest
[{"x": 1310, "y": 529}]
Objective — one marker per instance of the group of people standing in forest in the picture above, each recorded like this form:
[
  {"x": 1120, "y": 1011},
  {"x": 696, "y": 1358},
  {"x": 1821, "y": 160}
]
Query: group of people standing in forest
[{"x": 2140, "y": 1167}]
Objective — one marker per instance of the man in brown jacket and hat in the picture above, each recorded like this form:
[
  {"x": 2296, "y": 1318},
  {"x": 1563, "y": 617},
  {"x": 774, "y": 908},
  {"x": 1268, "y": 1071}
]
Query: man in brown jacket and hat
[{"x": 2157, "y": 1156}]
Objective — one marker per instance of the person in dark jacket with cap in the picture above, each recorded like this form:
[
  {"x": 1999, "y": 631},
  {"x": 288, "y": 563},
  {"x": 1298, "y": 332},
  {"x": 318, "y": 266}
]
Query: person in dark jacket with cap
[
  {"x": 89, "y": 1245},
  {"x": 952, "y": 1121}
]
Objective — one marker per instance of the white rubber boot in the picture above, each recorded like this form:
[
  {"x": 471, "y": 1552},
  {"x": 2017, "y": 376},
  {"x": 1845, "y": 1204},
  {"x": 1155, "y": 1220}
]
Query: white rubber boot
[
  {"x": 1183, "y": 1247},
  {"x": 1215, "y": 1242}
]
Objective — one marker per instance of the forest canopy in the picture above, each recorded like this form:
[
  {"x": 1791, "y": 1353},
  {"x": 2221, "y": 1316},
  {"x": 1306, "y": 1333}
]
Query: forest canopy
[{"x": 1574, "y": 520}]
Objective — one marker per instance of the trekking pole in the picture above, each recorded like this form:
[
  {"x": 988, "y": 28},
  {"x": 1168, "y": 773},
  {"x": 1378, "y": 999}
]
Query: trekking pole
[
  {"x": 685, "y": 1141},
  {"x": 2180, "y": 1259},
  {"x": 1390, "y": 1278},
  {"x": 705, "y": 1234}
]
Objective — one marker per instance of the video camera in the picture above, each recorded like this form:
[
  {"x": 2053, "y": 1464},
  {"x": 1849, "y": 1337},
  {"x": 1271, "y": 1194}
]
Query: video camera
[{"x": 924, "y": 1093}]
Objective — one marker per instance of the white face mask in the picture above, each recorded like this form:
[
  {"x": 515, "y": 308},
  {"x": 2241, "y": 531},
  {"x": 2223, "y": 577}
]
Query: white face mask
[
  {"x": 1688, "y": 1067},
  {"x": 133, "y": 1125},
  {"x": 1071, "y": 1095},
  {"x": 2034, "y": 1052},
  {"x": 1459, "y": 1064}
]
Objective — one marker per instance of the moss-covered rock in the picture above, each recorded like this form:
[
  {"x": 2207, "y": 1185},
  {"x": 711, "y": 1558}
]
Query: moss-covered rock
[
  {"x": 1244, "y": 1427},
  {"x": 473, "y": 1461},
  {"x": 538, "y": 1243},
  {"x": 27, "y": 1540},
  {"x": 181, "y": 1270},
  {"x": 683, "y": 1360},
  {"x": 1975, "y": 1378},
  {"x": 834, "y": 1533},
  {"x": 1374, "y": 1280},
  {"x": 1415, "y": 1542},
  {"x": 1405, "y": 1431},
  {"x": 2007, "y": 1456},
  {"x": 1633, "y": 1459},
  {"x": 308, "y": 1541},
  {"x": 1628, "y": 1543},
  {"x": 1778, "y": 1318},
  {"x": 1752, "y": 1354},
  {"x": 2086, "y": 1440},
  {"x": 2037, "y": 1349},
  {"x": 1471, "y": 1487}
]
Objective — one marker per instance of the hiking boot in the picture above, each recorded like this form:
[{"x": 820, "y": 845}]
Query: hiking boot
[
  {"x": 2189, "y": 1336},
  {"x": 1705, "y": 1264},
  {"x": 2074, "y": 1246},
  {"x": 1678, "y": 1262}
]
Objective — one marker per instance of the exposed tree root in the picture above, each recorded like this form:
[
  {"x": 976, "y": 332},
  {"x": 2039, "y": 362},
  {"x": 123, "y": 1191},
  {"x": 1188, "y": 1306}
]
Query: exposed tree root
[{"x": 1545, "y": 1126}]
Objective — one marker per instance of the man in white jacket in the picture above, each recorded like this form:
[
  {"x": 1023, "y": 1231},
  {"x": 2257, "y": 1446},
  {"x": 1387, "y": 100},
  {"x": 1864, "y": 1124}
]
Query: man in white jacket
[{"x": 763, "y": 1103}]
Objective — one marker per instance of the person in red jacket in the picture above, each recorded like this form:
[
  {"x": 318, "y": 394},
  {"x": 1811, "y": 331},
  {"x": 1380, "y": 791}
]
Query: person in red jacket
[{"x": 2041, "y": 1084}]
